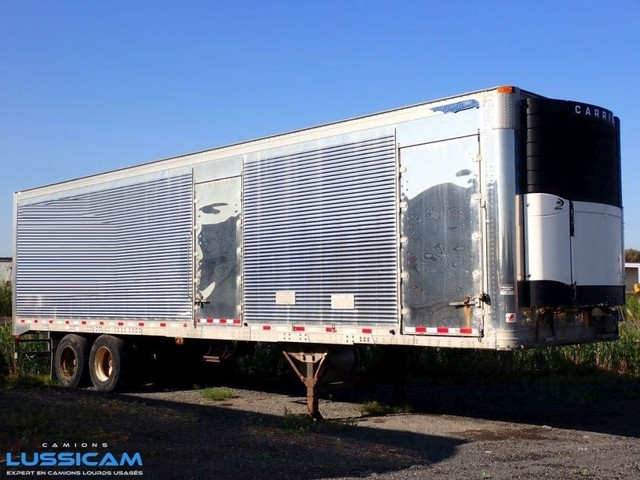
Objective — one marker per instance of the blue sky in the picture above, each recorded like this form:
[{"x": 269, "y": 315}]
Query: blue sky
[{"x": 92, "y": 86}]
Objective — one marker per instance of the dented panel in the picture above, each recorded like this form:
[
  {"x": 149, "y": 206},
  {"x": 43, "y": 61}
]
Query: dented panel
[
  {"x": 217, "y": 259},
  {"x": 441, "y": 237}
]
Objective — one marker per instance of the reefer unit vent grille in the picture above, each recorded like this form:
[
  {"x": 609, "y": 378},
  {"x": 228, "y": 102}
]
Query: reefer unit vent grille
[
  {"x": 120, "y": 252},
  {"x": 320, "y": 234}
]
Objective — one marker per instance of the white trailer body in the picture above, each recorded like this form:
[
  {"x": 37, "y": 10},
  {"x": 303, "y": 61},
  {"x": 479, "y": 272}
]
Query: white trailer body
[{"x": 487, "y": 220}]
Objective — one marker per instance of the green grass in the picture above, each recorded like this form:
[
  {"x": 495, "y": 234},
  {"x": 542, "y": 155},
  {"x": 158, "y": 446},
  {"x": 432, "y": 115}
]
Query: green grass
[
  {"x": 25, "y": 380},
  {"x": 217, "y": 394},
  {"x": 298, "y": 424},
  {"x": 377, "y": 409},
  {"x": 7, "y": 363},
  {"x": 632, "y": 309},
  {"x": 33, "y": 365},
  {"x": 5, "y": 299}
]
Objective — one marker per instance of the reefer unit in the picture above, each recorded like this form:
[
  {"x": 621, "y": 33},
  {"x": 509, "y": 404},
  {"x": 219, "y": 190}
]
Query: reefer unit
[{"x": 486, "y": 220}]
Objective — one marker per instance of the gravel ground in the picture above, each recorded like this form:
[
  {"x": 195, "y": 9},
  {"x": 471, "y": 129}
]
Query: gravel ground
[{"x": 537, "y": 429}]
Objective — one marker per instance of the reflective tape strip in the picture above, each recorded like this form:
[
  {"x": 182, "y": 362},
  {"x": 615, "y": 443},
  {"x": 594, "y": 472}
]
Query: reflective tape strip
[
  {"x": 440, "y": 331},
  {"x": 219, "y": 321},
  {"x": 295, "y": 328},
  {"x": 104, "y": 323}
]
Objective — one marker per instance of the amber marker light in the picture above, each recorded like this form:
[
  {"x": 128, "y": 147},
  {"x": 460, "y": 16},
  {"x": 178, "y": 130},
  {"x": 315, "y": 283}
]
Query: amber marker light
[{"x": 505, "y": 89}]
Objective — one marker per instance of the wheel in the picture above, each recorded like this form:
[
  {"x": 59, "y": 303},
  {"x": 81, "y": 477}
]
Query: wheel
[
  {"x": 108, "y": 363},
  {"x": 71, "y": 361}
]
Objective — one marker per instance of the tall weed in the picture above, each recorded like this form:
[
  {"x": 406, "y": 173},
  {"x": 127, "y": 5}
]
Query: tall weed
[
  {"x": 7, "y": 363},
  {"x": 35, "y": 363},
  {"x": 5, "y": 299}
]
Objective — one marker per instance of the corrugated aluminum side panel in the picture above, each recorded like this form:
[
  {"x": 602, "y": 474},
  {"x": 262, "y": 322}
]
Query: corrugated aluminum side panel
[
  {"x": 322, "y": 223},
  {"x": 121, "y": 252}
]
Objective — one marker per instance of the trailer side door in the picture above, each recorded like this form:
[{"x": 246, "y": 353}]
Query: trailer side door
[
  {"x": 441, "y": 246},
  {"x": 217, "y": 264}
]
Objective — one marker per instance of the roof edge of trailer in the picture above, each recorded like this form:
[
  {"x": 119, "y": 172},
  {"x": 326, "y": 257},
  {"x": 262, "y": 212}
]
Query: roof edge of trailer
[{"x": 267, "y": 137}]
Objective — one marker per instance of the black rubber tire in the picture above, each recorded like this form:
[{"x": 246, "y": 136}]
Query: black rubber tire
[
  {"x": 108, "y": 363},
  {"x": 71, "y": 361}
]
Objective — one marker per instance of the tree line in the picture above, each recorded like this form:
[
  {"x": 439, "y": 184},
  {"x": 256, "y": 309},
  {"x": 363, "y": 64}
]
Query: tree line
[{"x": 632, "y": 255}]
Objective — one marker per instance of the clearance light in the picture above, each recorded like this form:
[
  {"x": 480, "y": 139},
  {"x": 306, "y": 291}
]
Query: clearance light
[{"x": 505, "y": 89}]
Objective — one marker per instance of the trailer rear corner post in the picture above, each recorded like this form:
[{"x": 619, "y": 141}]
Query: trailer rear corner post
[{"x": 314, "y": 363}]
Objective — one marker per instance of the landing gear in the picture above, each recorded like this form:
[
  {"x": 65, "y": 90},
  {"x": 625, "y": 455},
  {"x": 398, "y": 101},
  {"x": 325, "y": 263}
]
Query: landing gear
[{"x": 314, "y": 368}]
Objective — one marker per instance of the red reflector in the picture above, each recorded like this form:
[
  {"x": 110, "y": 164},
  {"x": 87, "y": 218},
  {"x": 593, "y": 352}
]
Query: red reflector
[
  {"x": 141, "y": 324},
  {"x": 35, "y": 320},
  {"x": 209, "y": 320},
  {"x": 466, "y": 330},
  {"x": 184, "y": 325},
  {"x": 84, "y": 322},
  {"x": 23, "y": 321},
  {"x": 223, "y": 320},
  {"x": 266, "y": 327},
  {"x": 443, "y": 329},
  {"x": 163, "y": 324},
  {"x": 50, "y": 321},
  {"x": 421, "y": 329},
  {"x": 236, "y": 320},
  {"x": 101, "y": 323},
  {"x": 298, "y": 329},
  {"x": 121, "y": 324},
  {"x": 330, "y": 329},
  {"x": 367, "y": 330},
  {"x": 67, "y": 322}
]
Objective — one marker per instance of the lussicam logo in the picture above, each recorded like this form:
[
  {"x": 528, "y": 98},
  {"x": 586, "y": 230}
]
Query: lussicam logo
[
  {"x": 559, "y": 204},
  {"x": 74, "y": 459}
]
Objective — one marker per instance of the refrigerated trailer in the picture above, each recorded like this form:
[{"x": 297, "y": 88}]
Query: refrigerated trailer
[{"x": 489, "y": 220}]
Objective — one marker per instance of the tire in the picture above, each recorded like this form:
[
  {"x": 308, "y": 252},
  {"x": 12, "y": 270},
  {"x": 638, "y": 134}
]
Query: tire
[
  {"x": 108, "y": 363},
  {"x": 71, "y": 361}
]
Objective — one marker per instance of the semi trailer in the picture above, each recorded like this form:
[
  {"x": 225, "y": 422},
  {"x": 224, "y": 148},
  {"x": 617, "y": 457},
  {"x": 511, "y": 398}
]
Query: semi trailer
[{"x": 488, "y": 220}]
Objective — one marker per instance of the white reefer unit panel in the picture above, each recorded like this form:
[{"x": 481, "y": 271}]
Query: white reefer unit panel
[
  {"x": 548, "y": 239},
  {"x": 597, "y": 244}
]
